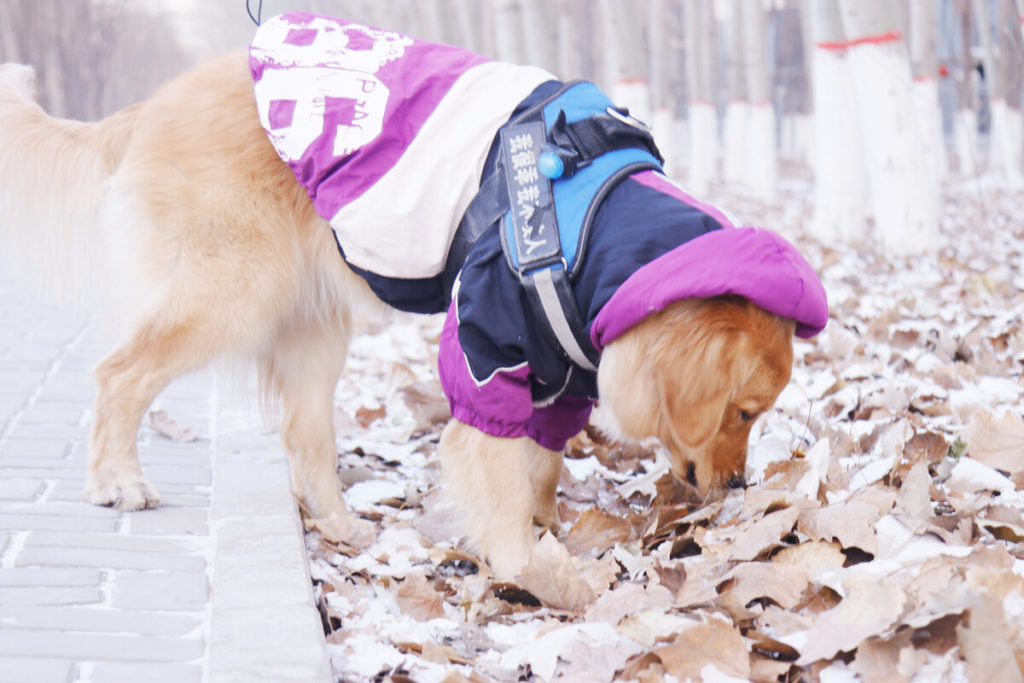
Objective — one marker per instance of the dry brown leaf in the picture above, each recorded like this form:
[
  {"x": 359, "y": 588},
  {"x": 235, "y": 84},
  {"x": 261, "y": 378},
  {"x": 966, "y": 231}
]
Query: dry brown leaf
[
  {"x": 812, "y": 554},
  {"x": 987, "y": 644},
  {"x": 762, "y": 534},
  {"x": 343, "y": 529},
  {"x": 163, "y": 424},
  {"x": 870, "y": 607},
  {"x": 783, "y": 584},
  {"x": 366, "y": 416},
  {"x": 427, "y": 403},
  {"x": 419, "y": 599},
  {"x": 596, "y": 531},
  {"x": 997, "y": 443},
  {"x": 852, "y": 524},
  {"x": 714, "y": 642},
  {"x": 627, "y": 599},
  {"x": 552, "y": 576},
  {"x": 915, "y": 497}
]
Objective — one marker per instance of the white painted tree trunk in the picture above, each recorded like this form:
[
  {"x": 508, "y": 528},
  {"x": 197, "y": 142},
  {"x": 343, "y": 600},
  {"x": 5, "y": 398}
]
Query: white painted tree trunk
[
  {"x": 659, "y": 26},
  {"x": 508, "y": 33},
  {"x": 923, "y": 31},
  {"x": 762, "y": 143},
  {"x": 737, "y": 107},
  {"x": 626, "y": 62},
  {"x": 702, "y": 119},
  {"x": 904, "y": 201},
  {"x": 840, "y": 192},
  {"x": 1005, "y": 134},
  {"x": 965, "y": 120}
]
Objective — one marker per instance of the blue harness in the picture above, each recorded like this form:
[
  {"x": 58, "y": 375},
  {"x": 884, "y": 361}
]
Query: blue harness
[{"x": 557, "y": 161}]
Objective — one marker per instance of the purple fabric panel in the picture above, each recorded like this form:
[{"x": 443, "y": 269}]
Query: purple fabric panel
[
  {"x": 301, "y": 36},
  {"x": 657, "y": 181},
  {"x": 552, "y": 426},
  {"x": 502, "y": 406},
  {"x": 281, "y": 113},
  {"x": 417, "y": 82},
  {"x": 750, "y": 262}
]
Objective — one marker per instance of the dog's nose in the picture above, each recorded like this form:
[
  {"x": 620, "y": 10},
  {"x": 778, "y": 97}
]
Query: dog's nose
[{"x": 736, "y": 481}]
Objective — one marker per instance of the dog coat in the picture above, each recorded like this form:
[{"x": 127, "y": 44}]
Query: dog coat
[{"x": 392, "y": 137}]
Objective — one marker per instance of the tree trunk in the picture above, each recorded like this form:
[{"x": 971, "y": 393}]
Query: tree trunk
[
  {"x": 660, "y": 27},
  {"x": 1004, "y": 134},
  {"x": 904, "y": 201},
  {"x": 703, "y": 123},
  {"x": 508, "y": 31},
  {"x": 626, "y": 57},
  {"x": 539, "y": 37},
  {"x": 737, "y": 108},
  {"x": 965, "y": 122},
  {"x": 762, "y": 149},
  {"x": 925, "y": 67},
  {"x": 840, "y": 190}
]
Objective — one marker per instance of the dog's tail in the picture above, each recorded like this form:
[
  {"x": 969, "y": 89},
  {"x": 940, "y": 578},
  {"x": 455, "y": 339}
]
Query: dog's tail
[{"x": 52, "y": 184}]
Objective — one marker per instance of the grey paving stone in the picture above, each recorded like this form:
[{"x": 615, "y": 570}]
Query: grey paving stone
[
  {"x": 20, "y": 489},
  {"x": 113, "y": 559},
  {"x": 150, "y": 672},
  {"x": 146, "y": 544},
  {"x": 5, "y": 539},
  {"x": 47, "y": 576},
  {"x": 177, "y": 475},
  {"x": 98, "y": 646},
  {"x": 34, "y": 670},
  {"x": 32, "y": 522},
  {"x": 61, "y": 509},
  {"x": 170, "y": 521},
  {"x": 91, "y": 619},
  {"x": 50, "y": 595},
  {"x": 161, "y": 590},
  {"x": 259, "y": 644},
  {"x": 19, "y": 447}
]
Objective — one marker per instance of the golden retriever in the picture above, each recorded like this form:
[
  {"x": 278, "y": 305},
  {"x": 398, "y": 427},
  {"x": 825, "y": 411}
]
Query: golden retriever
[{"x": 225, "y": 257}]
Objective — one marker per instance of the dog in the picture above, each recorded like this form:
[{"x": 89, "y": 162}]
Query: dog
[{"x": 228, "y": 254}]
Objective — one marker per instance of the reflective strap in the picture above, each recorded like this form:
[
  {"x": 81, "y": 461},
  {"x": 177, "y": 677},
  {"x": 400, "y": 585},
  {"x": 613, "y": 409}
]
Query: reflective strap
[{"x": 547, "y": 294}]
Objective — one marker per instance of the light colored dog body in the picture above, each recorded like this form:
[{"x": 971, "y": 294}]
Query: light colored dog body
[{"x": 224, "y": 256}]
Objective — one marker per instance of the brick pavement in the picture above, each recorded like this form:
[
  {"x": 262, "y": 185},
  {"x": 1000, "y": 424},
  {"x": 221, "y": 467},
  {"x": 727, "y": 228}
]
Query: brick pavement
[{"x": 212, "y": 586}]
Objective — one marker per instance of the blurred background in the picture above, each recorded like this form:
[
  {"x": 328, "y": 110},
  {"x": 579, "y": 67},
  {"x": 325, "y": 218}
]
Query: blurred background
[{"x": 857, "y": 91}]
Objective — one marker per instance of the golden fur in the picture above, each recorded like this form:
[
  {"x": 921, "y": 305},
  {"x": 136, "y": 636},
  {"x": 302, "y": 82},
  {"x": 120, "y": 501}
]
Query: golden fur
[{"x": 224, "y": 256}]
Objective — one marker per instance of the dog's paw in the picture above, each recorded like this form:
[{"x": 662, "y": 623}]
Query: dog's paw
[
  {"x": 508, "y": 560},
  {"x": 125, "y": 492},
  {"x": 344, "y": 528}
]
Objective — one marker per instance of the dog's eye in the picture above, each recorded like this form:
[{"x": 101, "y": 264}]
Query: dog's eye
[{"x": 747, "y": 416}]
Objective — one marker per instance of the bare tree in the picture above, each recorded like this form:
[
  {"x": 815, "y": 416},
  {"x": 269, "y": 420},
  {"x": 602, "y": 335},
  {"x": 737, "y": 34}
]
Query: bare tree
[
  {"x": 925, "y": 67},
  {"x": 762, "y": 145},
  {"x": 703, "y": 123}
]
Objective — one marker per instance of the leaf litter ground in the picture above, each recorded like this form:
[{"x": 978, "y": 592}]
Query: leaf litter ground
[{"x": 882, "y": 535}]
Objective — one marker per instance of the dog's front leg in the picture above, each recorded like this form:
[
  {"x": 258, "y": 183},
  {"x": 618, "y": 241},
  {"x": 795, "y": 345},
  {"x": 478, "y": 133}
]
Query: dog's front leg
[
  {"x": 499, "y": 485},
  {"x": 306, "y": 363}
]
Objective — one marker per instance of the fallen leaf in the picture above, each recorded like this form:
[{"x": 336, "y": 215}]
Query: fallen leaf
[
  {"x": 419, "y": 599},
  {"x": 987, "y": 644},
  {"x": 783, "y": 584},
  {"x": 852, "y": 524},
  {"x": 713, "y": 642},
  {"x": 427, "y": 403},
  {"x": 552, "y": 576},
  {"x": 596, "y": 531},
  {"x": 812, "y": 555},
  {"x": 628, "y": 598},
  {"x": 997, "y": 443},
  {"x": 163, "y": 424},
  {"x": 367, "y": 416},
  {"x": 343, "y": 529},
  {"x": 870, "y": 607},
  {"x": 762, "y": 534}
]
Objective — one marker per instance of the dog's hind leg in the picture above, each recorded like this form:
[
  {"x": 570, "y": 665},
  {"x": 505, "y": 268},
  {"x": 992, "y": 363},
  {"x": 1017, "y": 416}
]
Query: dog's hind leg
[
  {"x": 129, "y": 379},
  {"x": 303, "y": 369}
]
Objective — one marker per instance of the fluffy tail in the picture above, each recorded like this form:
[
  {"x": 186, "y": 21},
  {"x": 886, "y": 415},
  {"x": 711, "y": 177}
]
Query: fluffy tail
[{"x": 52, "y": 176}]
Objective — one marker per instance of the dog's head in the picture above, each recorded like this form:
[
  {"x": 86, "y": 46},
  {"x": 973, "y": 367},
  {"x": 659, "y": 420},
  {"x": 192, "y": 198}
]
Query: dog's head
[{"x": 696, "y": 375}]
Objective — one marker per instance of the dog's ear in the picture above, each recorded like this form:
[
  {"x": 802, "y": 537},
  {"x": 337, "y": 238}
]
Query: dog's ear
[{"x": 699, "y": 367}]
